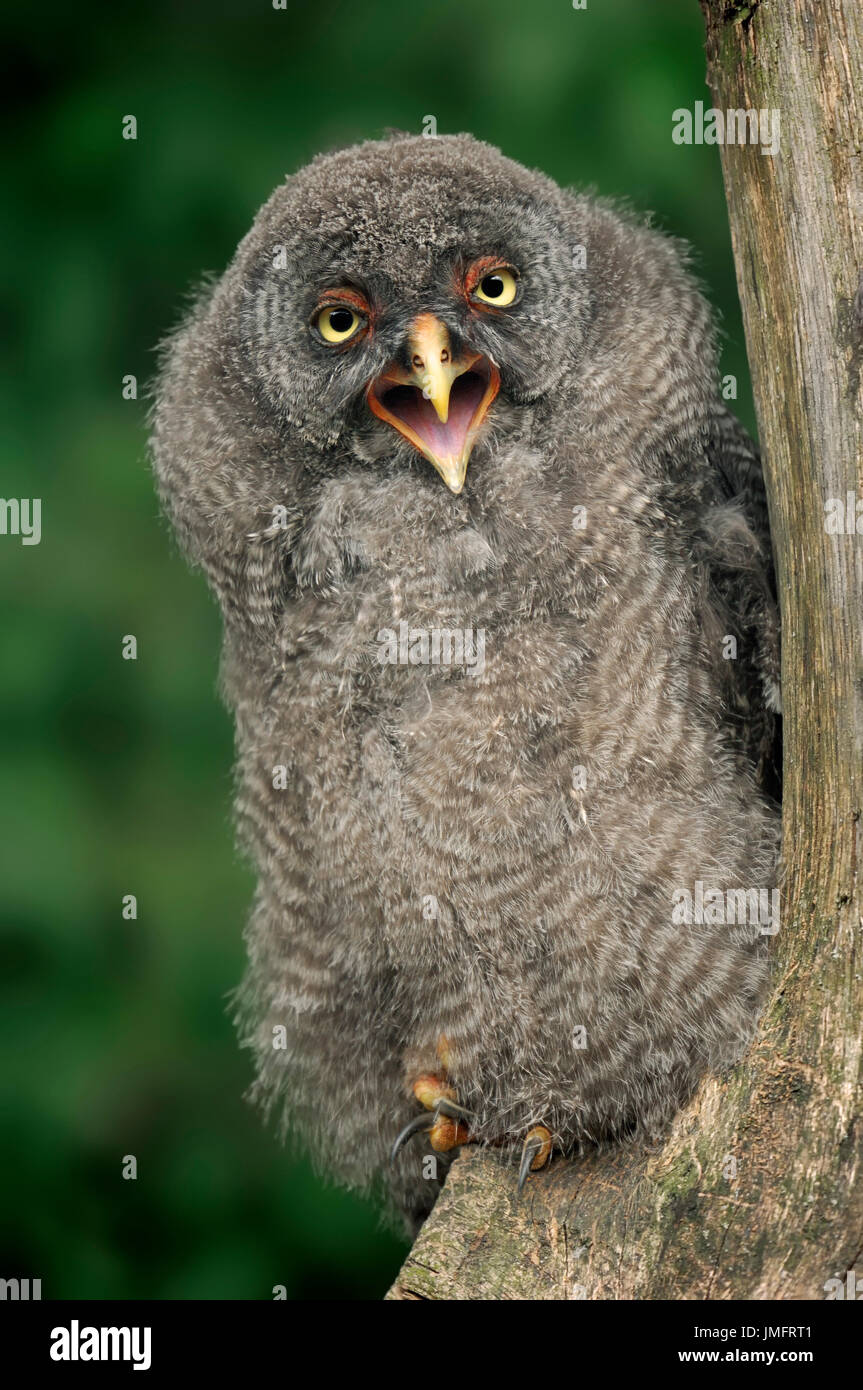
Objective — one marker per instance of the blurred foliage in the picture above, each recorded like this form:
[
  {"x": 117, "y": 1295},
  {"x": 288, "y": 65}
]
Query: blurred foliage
[{"x": 116, "y": 775}]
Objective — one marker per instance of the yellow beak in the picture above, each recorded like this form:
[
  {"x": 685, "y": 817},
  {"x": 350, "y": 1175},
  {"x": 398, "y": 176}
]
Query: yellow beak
[{"x": 431, "y": 357}]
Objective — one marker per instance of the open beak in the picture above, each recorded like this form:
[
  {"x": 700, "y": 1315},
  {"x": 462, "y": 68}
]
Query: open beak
[{"x": 440, "y": 403}]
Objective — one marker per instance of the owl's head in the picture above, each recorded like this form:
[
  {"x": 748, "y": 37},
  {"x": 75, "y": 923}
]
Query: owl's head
[
  {"x": 393, "y": 291},
  {"x": 410, "y": 305}
]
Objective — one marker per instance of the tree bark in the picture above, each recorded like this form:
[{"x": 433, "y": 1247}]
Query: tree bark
[{"x": 757, "y": 1192}]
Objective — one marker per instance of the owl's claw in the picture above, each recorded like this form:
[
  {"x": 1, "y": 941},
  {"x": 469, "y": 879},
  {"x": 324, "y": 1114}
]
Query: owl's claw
[
  {"x": 453, "y": 1111},
  {"x": 444, "y": 1125},
  {"x": 446, "y": 1121},
  {"x": 448, "y": 1124},
  {"x": 535, "y": 1153},
  {"x": 411, "y": 1128}
]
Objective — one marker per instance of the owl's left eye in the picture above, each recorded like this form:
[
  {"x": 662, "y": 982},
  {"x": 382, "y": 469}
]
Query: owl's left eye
[
  {"x": 337, "y": 323},
  {"x": 498, "y": 287}
]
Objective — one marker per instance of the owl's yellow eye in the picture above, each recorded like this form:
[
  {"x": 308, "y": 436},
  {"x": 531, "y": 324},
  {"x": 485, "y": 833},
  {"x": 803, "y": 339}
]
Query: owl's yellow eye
[
  {"x": 337, "y": 323},
  {"x": 499, "y": 287}
]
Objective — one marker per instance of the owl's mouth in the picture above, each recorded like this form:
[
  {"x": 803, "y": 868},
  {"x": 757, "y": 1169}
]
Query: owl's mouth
[{"x": 439, "y": 405}]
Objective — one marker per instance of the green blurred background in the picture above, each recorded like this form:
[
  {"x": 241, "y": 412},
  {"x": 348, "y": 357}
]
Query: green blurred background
[{"x": 116, "y": 775}]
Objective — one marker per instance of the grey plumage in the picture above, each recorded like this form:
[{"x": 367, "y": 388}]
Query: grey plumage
[{"x": 433, "y": 865}]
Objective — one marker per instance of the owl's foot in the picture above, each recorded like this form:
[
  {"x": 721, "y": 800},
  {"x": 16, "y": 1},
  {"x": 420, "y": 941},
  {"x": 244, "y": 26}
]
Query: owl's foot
[
  {"x": 448, "y": 1124},
  {"x": 535, "y": 1153},
  {"x": 445, "y": 1121}
]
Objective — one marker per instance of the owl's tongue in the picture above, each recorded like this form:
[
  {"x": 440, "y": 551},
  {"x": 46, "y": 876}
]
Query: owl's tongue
[{"x": 446, "y": 439}]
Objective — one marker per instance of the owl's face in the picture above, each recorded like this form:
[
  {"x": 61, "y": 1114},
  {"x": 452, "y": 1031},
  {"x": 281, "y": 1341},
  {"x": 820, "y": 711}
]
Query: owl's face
[{"x": 395, "y": 297}]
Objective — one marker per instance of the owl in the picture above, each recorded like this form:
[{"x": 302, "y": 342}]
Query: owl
[{"x": 501, "y": 643}]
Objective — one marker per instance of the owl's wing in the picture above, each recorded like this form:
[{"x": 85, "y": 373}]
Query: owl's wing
[{"x": 740, "y": 592}]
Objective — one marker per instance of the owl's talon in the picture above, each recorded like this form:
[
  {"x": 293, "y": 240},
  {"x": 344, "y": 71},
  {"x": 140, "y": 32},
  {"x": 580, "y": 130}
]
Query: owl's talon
[
  {"x": 413, "y": 1127},
  {"x": 535, "y": 1153},
  {"x": 445, "y": 1125},
  {"x": 454, "y": 1111}
]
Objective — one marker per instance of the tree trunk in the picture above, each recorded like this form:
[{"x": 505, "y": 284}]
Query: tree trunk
[{"x": 757, "y": 1192}]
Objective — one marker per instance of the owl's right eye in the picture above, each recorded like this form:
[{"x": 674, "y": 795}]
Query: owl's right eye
[{"x": 336, "y": 323}]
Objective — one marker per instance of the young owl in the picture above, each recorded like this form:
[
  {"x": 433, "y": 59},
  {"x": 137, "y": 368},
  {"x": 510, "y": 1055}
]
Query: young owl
[{"x": 502, "y": 647}]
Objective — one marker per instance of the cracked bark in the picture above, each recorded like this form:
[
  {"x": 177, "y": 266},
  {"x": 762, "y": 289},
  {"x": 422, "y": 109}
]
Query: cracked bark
[{"x": 674, "y": 1223}]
